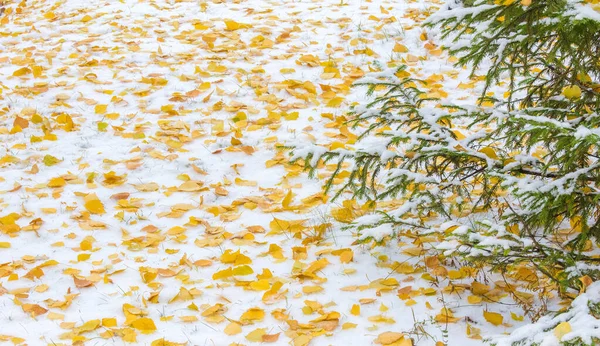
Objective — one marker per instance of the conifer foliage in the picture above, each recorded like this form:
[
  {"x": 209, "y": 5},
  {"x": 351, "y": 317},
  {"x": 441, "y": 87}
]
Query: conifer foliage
[{"x": 510, "y": 182}]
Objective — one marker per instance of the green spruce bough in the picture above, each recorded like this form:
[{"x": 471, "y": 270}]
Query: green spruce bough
[{"x": 522, "y": 187}]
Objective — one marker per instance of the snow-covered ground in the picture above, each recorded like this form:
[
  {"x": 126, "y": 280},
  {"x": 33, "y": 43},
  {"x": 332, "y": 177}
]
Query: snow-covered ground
[{"x": 145, "y": 197}]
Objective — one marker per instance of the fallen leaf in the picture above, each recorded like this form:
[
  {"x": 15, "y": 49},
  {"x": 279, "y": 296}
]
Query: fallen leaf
[
  {"x": 493, "y": 317},
  {"x": 233, "y": 328},
  {"x": 80, "y": 283},
  {"x": 144, "y": 324},
  {"x": 561, "y": 329},
  {"x": 93, "y": 204},
  {"x": 34, "y": 309}
]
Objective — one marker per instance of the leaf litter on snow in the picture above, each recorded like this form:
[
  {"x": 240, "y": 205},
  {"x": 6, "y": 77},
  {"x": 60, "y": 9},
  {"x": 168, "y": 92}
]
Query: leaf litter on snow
[{"x": 146, "y": 197}]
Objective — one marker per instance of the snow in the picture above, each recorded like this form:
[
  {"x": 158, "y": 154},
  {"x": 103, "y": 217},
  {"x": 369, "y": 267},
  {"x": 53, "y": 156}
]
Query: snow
[
  {"x": 580, "y": 319},
  {"x": 150, "y": 62},
  {"x": 103, "y": 61},
  {"x": 581, "y": 10}
]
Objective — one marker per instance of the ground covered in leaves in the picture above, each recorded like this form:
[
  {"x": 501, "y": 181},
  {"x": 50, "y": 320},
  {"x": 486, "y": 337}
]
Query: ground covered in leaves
[{"x": 145, "y": 196}]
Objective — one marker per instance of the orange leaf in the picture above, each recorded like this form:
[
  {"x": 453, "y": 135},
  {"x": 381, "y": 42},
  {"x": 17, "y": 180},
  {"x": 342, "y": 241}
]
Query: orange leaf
[
  {"x": 80, "y": 283},
  {"x": 21, "y": 122},
  {"x": 34, "y": 309},
  {"x": 270, "y": 337}
]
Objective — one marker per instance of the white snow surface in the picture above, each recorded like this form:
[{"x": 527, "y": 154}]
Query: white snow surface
[{"x": 98, "y": 52}]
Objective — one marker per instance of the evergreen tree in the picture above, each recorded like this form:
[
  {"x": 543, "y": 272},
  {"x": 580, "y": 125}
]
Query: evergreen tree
[{"x": 518, "y": 175}]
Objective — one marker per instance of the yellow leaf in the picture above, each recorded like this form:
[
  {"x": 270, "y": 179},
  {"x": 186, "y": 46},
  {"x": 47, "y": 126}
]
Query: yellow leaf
[
  {"x": 348, "y": 325},
  {"x": 49, "y": 15},
  {"x": 302, "y": 340},
  {"x": 242, "y": 182},
  {"x": 242, "y": 270},
  {"x": 253, "y": 314},
  {"x": 516, "y": 317},
  {"x": 37, "y": 71},
  {"x": 387, "y": 338},
  {"x": 149, "y": 187},
  {"x": 163, "y": 342},
  {"x": 190, "y": 186},
  {"x": 174, "y": 144},
  {"x": 109, "y": 322},
  {"x": 489, "y": 152},
  {"x": 473, "y": 333},
  {"x": 188, "y": 319},
  {"x": 57, "y": 182},
  {"x": 55, "y": 316},
  {"x": 466, "y": 86},
  {"x": 346, "y": 256},
  {"x": 93, "y": 204},
  {"x": 216, "y": 309},
  {"x": 34, "y": 273},
  {"x": 287, "y": 200},
  {"x": 100, "y": 109},
  {"x": 67, "y": 122},
  {"x": 50, "y": 160},
  {"x": 183, "y": 295},
  {"x": 355, "y": 310},
  {"x": 493, "y": 317},
  {"x": 311, "y": 289},
  {"x": 561, "y": 329},
  {"x": 572, "y": 92},
  {"x": 335, "y": 102},
  {"x": 345, "y": 215},
  {"x": 89, "y": 326},
  {"x": 479, "y": 288},
  {"x": 21, "y": 72},
  {"x": 256, "y": 335},
  {"x": 176, "y": 230},
  {"x": 474, "y": 299},
  {"x": 222, "y": 274},
  {"x": 410, "y": 302},
  {"x": 232, "y": 25},
  {"x": 236, "y": 258},
  {"x": 459, "y": 135},
  {"x": 381, "y": 319},
  {"x": 16, "y": 129},
  {"x": 260, "y": 285},
  {"x": 400, "y": 48},
  {"x": 129, "y": 335},
  {"x": 233, "y": 328},
  {"x": 337, "y": 145},
  {"x": 212, "y": 67},
  {"x": 48, "y": 263},
  {"x": 445, "y": 315},
  {"x": 144, "y": 325},
  {"x": 575, "y": 222}
]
